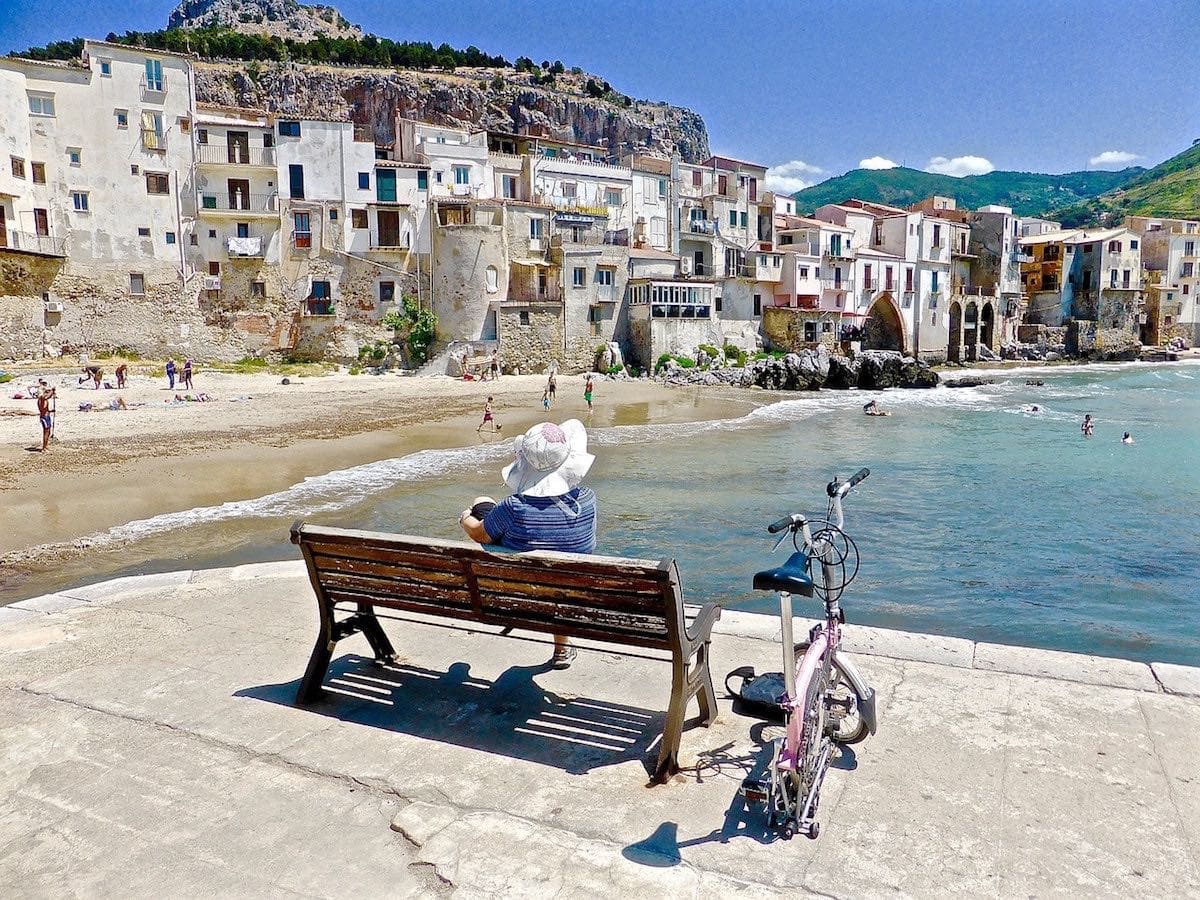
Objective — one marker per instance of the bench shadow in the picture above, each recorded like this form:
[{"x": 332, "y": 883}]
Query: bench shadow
[{"x": 512, "y": 716}]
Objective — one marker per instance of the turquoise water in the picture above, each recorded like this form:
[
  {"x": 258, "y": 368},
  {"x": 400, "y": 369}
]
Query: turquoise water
[{"x": 979, "y": 519}]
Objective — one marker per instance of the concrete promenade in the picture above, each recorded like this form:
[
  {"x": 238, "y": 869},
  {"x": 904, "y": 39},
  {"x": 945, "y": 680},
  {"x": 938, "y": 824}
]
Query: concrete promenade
[{"x": 150, "y": 747}]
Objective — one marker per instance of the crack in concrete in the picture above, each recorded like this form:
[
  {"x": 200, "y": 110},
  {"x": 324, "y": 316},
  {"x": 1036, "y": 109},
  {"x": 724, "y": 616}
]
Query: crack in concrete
[
  {"x": 1171, "y": 798},
  {"x": 1005, "y": 758}
]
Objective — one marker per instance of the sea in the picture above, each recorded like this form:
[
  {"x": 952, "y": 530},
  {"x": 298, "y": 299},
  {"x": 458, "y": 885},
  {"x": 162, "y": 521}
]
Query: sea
[{"x": 981, "y": 518}]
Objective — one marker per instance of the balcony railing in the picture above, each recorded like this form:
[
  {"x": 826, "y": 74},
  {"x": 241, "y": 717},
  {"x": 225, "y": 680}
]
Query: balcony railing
[
  {"x": 250, "y": 247},
  {"x": 237, "y": 155},
  {"x": 804, "y": 248},
  {"x": 237, "y": 202},
  {"x": 389, "y": 245},
  {"x": 153, "y": 85},
  {"x": 42, "y": 244},
  {"x": 701, "y": 226},
  {"x": 838, "y": 253}
]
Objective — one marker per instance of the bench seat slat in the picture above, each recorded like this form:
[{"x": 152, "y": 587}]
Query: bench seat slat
[
  {"x": 568, "y": 576},
  {"x": 443, "y": 562},
  {"x": 393, "y": 588},
  {"x": 405, "y": 604},
  {"x": 578, "y": 595},
  {"x": 402, "y": 572},
  {"x": 536, "y": 608}
]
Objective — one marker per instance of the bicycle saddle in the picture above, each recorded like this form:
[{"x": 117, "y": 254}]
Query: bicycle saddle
[{"x": 792, "y": 577}]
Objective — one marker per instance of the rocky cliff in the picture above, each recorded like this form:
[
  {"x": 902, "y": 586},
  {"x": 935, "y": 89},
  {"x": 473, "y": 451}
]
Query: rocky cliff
[
  {"x": 285, "y": 19},
  {"x": 497, "y": 99}
]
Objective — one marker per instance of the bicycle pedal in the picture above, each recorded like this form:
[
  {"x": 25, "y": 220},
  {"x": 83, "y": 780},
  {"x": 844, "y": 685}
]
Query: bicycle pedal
[{"x": 754, "y": 790}]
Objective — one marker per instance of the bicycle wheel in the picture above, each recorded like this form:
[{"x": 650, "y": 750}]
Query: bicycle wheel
[
  {"x": 813, "y": 736},
  {"x": 845, "y": 723}
]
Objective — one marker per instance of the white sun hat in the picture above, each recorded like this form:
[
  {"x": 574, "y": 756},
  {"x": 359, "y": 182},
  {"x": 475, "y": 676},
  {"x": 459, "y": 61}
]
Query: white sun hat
[{"x": 551, "y": 460}]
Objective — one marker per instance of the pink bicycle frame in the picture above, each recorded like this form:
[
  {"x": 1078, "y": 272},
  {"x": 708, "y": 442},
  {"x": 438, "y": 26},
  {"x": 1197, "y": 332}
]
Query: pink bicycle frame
[{"x": 825, "y": 641}]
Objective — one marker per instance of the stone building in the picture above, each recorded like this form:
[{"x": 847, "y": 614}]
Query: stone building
[
  {"x": 1090, "y": 275},
  {"x": 1171, "y": 258}
]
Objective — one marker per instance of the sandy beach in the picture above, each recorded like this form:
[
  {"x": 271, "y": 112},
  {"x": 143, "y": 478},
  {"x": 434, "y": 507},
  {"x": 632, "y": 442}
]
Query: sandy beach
[{"x": 256, "y": 436}]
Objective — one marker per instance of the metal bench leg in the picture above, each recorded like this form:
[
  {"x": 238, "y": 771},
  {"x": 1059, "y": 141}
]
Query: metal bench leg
[
  {"x": 314, "y": 675},
  {"x": 668, "y": 752},
  {"x": 706, "y": 696},
  {"x": 373, "y": 632}
]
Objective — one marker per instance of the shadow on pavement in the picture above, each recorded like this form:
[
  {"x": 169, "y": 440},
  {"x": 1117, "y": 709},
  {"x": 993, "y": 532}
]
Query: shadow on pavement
[{"x": 512, "y": 716}]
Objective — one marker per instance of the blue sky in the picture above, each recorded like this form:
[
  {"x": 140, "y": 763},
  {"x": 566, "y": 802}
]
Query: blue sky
[{"x": 816, "y": 89}]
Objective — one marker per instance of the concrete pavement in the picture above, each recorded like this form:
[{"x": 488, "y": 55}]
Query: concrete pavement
[{"x": 150, "y": 747}]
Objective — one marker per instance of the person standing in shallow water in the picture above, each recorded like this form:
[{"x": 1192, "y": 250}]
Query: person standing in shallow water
[
  {"x": 548, "y": 508},
  {"x": 1088, "y": 425}
]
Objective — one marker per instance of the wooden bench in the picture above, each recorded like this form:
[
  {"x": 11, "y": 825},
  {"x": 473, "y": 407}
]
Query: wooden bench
[{"x": 629, "y": 602}]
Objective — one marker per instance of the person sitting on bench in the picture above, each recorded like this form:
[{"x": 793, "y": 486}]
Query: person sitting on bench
[{"x": 547, "y": 510}]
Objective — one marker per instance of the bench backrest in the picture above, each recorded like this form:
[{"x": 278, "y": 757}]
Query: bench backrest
[{"x": 628, "y": 601}]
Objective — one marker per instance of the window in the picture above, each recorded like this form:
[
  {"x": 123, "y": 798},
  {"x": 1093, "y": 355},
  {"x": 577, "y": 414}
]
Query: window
[
  {"x": 578, "y": 276},
  {"x": 508, "y": 187},
  {"x": 153, "y": 137},
  {"x": 1087, "y": 248},
  {"x": 612, "y": 197},
  {"x": 810, "y": 331},
  {"x": 802, "y": 272},
  {"x": 933, "y": 284},
  {"x": 568, "y": 190},
  {"x": 1186, "y": 272},
  {"x": 75, "y": 156},
  {"x": 137, "y": 283},
  {"x": 662, "y": 188},
  {"x": 437, "y": 176},
  {"x": 1112, "y": 279},
  {"x": 733, "y": 218},
  {"x": 826, "y": 327},
  {"x": 743, "y": 219},
  {"x": 387, "y": 291},
  {"x": 908, "y": 279},
  {"x": 535, "y": 229},
  {"x": 491, "y": 279},
  {"x": 301, "y": 230},
  {"x": 1125, "y": 276},
  {"x": 722, "y": 184},
  {"x": 289, "y": 129},
  {"x": 1133, "y": 245},
  {"x": 1114, "y": 246},
  {"x": 867, "y": 277},
  {"x": 170, "y": 237},
  {"x": 214, "y": 268},
  {"x": 41, "y": 105},
  {"x": 887, "y": 279},
  {"x": 1187, "y": 289},
  {"x": 878, "y": 233},
  {"x": 717, "y": 304},
  {"x": 320, "y": 299},
  {"x": 604, "y": 277},
  {"x": 106, "y": 68},
  {"x": 18, "y": 167},
  {"x": 937, "y": 235},
  {"x": 38, "y": 170},
  {"x": 758, "y": 304},
  {"x": 122, "y": 118},
  {"x": 143, "y": 232},
  {"x": 79, "y": 200},
  {"x": 154, "y": 75},
  {"x": 157, "y": 183},
  {"x": 422, "y": 179},
  {"x": 523, "y": 317},
  {"x": 333, "y": 215},
  {"x": 41, "y": 222},
  {"x": 697, "y": 178},
  {"x": 462, "y": 175},
  {"x": 296, "y": 181},
  {"x": 258, "y": 289},
  {"x": 243, "y": 229},
  {"x": 364, "y": 181},
  {"x": 358, "y": 218}
]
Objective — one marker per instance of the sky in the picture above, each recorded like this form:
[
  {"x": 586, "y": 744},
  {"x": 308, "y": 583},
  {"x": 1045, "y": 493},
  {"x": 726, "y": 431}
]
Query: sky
[{"x": 815, "y": 89}]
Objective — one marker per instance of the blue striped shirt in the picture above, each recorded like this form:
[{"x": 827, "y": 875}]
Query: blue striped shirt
[{"x": 566, "y": 523}]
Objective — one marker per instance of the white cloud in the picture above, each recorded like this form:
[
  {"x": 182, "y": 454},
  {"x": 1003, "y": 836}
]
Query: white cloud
[
  {"x": 877, "y": 162},
  {"x": 1113, "y": 158},
  {"x": 959, "y": 166},
  {"x": 789, "y": 177}
]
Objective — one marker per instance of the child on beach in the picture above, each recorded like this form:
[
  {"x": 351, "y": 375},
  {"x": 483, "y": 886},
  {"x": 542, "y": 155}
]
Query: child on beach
[
  {"x": 551, "y": 387},
  {"x": 45, "y": 415},
  {"x": 587, "y": 392},
  {"x": 546, "y": 399},
  {"x": 488, "y": 417}
]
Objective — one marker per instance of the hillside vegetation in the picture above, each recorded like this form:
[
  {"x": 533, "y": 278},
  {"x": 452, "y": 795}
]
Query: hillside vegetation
[
  {"x": 1028, "y": 193},
  {"x": 1171, "y": 189}
]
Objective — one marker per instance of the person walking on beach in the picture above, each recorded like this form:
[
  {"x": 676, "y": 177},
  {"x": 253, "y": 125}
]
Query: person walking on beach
[
  {"x": 1088, "y": 425},
  {"x": 588, "y": 387},
  {"x": 187, "y": 374},
  {"x": 548, "y": 509},
  {"x": 170, "y": 374},
  {"x": 495, "y": 365},
  {"x": 551, "y": 386},
  {"x": 546, "y": 399},
  {"x": 488, "y": 417},
  {"x": 120, "y": 371},
  {"x": 45, "y": 415}
]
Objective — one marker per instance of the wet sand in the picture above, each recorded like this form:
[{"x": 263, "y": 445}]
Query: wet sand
[{"x": 111, "y": 467}]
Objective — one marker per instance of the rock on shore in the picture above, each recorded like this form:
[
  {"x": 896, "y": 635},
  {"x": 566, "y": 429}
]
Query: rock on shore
[{"x": 813, "y": 369}]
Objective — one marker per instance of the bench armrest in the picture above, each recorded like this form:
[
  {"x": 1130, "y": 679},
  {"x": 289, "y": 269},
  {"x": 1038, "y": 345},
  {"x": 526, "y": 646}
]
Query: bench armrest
[{"x": 700, "y": 629}]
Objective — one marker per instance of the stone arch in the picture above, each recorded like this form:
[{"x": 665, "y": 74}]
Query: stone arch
[
  {"x": 883, "y": 328},
  {"x": 987, "y": 326},
  {"x": 955, "y": 346},
  {"x": 971, "y": 331}
]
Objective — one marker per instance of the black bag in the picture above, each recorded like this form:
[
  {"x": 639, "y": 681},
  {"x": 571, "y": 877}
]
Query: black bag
[{"x": 758, "y": 695}]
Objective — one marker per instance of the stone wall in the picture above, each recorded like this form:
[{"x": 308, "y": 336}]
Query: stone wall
[
  {"x": 532, "y": 347},
  {"x": 1088, "y": 341},
  {"x": 783, "y": 328}
]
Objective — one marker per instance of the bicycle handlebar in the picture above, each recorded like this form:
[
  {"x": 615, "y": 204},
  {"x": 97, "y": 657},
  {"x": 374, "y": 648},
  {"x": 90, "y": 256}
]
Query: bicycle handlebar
[
  {"x": 785, "y": 522},
  {"x": 858, "y": 476}
]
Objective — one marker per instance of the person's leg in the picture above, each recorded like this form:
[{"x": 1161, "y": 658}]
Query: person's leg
[{"x": 564, "y": 653}]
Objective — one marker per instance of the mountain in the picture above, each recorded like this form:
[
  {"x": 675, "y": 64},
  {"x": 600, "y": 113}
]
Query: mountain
[
  {"x": 1171, "y": 189},
  {"x": 277, "y": 18},
  {"x": 1028, "y": 193}
]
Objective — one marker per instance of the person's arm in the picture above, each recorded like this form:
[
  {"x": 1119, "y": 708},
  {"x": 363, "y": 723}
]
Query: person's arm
[{"x": 474, "y": 528}]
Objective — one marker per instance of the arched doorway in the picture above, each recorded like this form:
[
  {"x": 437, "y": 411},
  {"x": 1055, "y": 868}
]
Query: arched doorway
[
  {"x": 954, "y": 348},
  {"x": 987, "y": 326},
  {"x": 971, "y": 332},
  {"x": 883, "y": 328}
]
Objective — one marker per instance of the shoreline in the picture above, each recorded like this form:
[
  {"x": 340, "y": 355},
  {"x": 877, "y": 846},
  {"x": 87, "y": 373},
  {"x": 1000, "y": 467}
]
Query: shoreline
[{"x": 123, "y": 466}]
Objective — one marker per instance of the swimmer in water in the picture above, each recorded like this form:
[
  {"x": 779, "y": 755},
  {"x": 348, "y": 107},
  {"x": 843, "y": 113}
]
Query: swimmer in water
[
  {"x": 1088, "y": 426},
  {"x": 1127, "y": 439},
  {"x": 1033, "y": 409}
]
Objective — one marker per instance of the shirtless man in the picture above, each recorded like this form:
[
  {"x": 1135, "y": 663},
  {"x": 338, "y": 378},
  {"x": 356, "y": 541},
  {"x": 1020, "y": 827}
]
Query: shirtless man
[
  {"x": 44, "y": 416},
  {"x": 1088, "y": 425}
]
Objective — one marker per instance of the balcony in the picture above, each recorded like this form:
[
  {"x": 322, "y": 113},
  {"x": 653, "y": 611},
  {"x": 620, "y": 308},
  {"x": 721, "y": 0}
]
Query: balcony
[
  {"x": 701, "y": 226},
  {"x": 245, "y": 247},
  {"x": 389, "y": 244},
  {"x": 239, "y": 204},
  {"x": 838, "y": 253},
  {"x": 763, "y": 267},
  {"x": 804, "y": 248},
  {"x": 35, "y": 244},
  {"x": 237, "y": 155}
]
